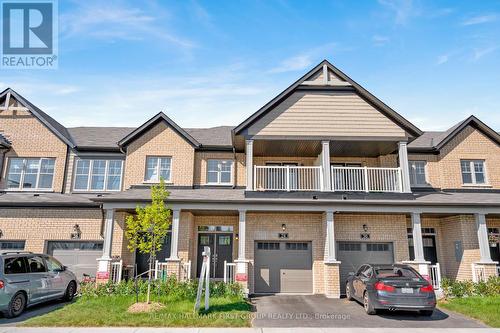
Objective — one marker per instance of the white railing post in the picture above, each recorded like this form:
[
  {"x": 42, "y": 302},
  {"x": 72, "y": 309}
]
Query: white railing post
[
  {"x": 255, "y": 178},
  {"x": 367, "y": 188},
  {"x": 156, "y": 269},
  {"x": 225, "y": 271},
  {"x": 288, "y": 178},
  {"x": 249, "y": 164}
]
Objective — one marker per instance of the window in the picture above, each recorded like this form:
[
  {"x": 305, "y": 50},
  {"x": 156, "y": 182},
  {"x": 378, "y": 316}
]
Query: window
[
  {"x": 36, "y": 265},
  {"x": 12, "y": 245},
  {"x": 224, "y": 240},
  {"x": 53, "y": 265},
  {"x": 297, "y": 246},
  {"x": 377, "y": 247},
  {"x": 473, "y": 172},
  {"x": 16, "y": 265},
  {"x": 98, "y": 175},
  {"x": 219, "y": 171},
  {"x": 417, "y": 173},
  {"x": 396, "y": 272},
  {"x": 268, "y": 246},
  {"x": 158, "y": 167},
  {"x": 82, "y": 246},
  {"x": 30, "y": 173},
  {"x": 349, "y": 246}
]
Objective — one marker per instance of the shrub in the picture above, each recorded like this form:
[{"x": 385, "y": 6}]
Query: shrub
[
  {"x": 171, "y": 286},
  {"x": 457, "y": 289}
]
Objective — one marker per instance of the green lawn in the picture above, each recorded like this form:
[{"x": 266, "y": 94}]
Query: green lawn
[
  {"x": 485, "y": 309},
  {"x": 112, "y": 311}
]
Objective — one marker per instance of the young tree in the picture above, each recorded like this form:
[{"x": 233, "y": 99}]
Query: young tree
[{"x": 146, "y": 231}]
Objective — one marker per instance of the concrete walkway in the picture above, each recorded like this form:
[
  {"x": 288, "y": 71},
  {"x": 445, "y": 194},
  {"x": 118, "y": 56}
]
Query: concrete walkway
[{"x": 243, "y": 330}]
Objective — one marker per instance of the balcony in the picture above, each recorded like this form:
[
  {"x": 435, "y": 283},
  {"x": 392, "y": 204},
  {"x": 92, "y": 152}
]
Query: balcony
[{"x": 343, "y": 179}]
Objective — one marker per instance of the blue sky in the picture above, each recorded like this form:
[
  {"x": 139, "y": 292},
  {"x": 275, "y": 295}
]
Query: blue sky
[{"x": 207, "y": 63}]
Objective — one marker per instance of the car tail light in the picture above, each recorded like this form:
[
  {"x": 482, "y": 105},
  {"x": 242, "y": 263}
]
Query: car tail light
[
  {"x": 384, "y": 287},
  {"x": 427, "y": 289},
  {"x": 1, "y": 284}
]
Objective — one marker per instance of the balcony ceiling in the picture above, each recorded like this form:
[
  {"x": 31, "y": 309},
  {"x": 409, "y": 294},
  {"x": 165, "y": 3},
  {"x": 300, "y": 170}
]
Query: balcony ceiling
[{"x": 312, "y": 148}]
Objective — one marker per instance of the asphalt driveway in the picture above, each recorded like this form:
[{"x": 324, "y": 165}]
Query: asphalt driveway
[{"x": 319, "y": 311}]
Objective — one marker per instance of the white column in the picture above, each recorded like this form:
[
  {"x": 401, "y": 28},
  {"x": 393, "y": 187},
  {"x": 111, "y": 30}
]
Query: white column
[
  {"x": 330, "y": 236},
  {"x": 482, "y": 236},
  {"x": 249, "y": 164},
  {"x": 325, "y": 163},
  {"x": 241, "y": 236},
  {"x": 174, "y": 246},
  {"x": 403, "y": 164},
  {"x": 109, "y": 221},
  {"x": 418, "y": 245}
]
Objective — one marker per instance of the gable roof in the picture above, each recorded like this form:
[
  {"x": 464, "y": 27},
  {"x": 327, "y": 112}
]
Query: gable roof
[
  {"x": 386, "y": 110},
  {"x": 160, "y": 117},
  {"x": 59, "y": 130},
  {"x": 435, "y": 141}
]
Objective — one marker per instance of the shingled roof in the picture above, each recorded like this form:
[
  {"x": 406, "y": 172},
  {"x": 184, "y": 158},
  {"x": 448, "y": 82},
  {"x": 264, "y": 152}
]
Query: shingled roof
[{"x": 4, "y": 143}]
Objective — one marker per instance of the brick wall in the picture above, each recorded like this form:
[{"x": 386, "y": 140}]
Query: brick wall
[
  {"x": 30, "y": 138},
  {"x": 160, "y": 140},
  {"x": 39, "y": 225}
]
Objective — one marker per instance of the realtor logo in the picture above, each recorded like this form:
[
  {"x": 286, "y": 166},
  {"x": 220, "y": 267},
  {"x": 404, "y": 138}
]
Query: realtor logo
[{"x": 29, "y": 34}]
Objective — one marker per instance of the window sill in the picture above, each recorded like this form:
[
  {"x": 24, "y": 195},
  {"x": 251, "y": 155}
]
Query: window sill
[
  {"x": 153, "y": 182},
  {"x": 477, "y": 185},
  {"x": 218, "y": 184},
  {"x": 29, "y": 190},
  {"x": 94, "y": 191}
]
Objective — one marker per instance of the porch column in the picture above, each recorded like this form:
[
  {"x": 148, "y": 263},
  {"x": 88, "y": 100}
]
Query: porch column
[
  {"x": 249, "y": 164},
  {"x": 174, "y": 246},
  {"x": 482, "y": 236},
  {"x": 325, "y": 164},
  {"x": 330, "y": 237},
  {"x": 403, "y": 164},
  {"x": 103, "y": 262},
  {"x": 418, "y": 245},
  {"x": 241, "y": 236}
]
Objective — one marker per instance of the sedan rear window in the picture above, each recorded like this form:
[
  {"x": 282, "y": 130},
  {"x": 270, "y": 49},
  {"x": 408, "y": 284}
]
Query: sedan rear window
[
  {"x": 15, "y": 265},
  {"x": 395, "y": 272}
]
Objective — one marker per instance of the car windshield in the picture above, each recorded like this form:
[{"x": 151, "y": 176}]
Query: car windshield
[{"x": 396, "y": 272}]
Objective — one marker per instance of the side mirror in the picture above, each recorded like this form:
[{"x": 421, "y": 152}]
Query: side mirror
[{"x": 64, "y": 268}]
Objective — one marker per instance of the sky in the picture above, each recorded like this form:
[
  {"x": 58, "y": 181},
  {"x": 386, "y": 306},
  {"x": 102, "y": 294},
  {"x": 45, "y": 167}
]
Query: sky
[{"x": 209, "y": 63}]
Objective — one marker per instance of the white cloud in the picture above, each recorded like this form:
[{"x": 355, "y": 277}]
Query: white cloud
[
  {"x": 379, "y": 40},
  {"x": 480, "y": 19},
  {"x": 114, "y": 20},
  {"x": 442, "y": 59},
  {"x": 479, "y": 53},
  {"x": 403, "y": 9},
  {"x": 295, "y": 63}
]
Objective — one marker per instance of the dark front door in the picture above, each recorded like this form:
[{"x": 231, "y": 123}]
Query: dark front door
[
  {"x": 142, "y": 259},
  {"x": 221, "y": 249},
  {"x": 495, "y": 252},
  {"x": 430, "y": 252}
]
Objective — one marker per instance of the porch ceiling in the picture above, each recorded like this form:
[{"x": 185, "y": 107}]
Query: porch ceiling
[{"x": 362, "y": 148}]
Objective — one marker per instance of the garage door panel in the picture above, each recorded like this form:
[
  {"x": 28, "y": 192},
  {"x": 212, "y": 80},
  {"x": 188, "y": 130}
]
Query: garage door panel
[
  {"x": 284, "y": 267},
  {"x": 79, "y": 256},
  {"x": 354, "y": 254}
]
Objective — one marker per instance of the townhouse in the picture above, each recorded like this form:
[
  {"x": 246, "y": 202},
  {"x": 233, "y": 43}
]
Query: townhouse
[{"x": 321, "y": 179}]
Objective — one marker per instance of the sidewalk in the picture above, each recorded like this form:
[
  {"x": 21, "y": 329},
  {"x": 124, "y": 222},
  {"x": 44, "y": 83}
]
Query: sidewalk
[{"x": 240, "y": 330}]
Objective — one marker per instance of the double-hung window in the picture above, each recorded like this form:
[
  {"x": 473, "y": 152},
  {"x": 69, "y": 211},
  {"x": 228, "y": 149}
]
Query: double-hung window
[
  {"x": 219, "y": 172},
  {"x": 158, "y": 167},
  {"x": 473, "y": 172},
  {"x": 417, "y": 173},
  {"x": 98, "y": 175},
  {"x": 30, "y": 173}
]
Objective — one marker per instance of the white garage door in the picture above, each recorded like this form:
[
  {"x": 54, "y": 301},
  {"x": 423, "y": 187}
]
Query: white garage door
[
  {"x": 80, "y": 256},
  {"x": 354, "y": 254}
]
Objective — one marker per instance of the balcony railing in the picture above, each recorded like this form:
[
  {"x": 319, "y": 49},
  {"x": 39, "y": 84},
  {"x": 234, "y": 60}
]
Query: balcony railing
[
  {"x": 343, "y": 179},
  {"x": 365, "y": 179},
  {"x": 287, "y": 178}
]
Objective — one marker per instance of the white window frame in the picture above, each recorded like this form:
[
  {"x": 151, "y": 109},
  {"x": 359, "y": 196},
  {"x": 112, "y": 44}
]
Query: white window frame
[
  {"x": 23, "y": 173},
  {"x": 219, "y": 172},
  {"x": 413, "y": 176},
  {"x": 473, "y": 173},
  {"x": 158, "y": 163},
  {"x": 89, "y": 180}
]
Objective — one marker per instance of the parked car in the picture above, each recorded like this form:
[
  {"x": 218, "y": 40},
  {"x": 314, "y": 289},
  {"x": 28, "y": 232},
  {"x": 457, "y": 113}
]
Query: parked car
[
  {"x": 392, "y": 287},
  {"x": 27, "y": 279}
]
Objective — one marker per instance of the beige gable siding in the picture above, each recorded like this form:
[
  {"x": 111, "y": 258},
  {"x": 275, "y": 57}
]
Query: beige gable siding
[
  {"x": 443, "y": 170},
  {"x": 30, "y": 138},
  {"x": 161, "y": 140},
  {"x": 339, "y": 114},
  {"x": 317, "y": 77}
]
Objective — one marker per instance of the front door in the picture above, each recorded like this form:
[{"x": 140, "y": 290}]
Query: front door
[
  {"x": 430, "y": 252},
  {"x": 221, "y": 249}
]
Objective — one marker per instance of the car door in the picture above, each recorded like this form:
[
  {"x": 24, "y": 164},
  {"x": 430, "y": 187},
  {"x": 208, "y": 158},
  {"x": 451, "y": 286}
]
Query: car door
[
  {"x": 364, "y": 279},
  {"x": 38, "y": 277},
  {"x": 57, "y": 283},
  {"x": 356, "y": 281},
  {"x": 16, "y": 273}
]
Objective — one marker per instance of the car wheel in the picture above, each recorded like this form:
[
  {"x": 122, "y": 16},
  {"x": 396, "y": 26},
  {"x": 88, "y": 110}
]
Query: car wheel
[
  {"x": 16, "y": 305},
  {"x": 348, "y": 292},
  {"x": 426, "y": 313},
  {"x": 367, "y": 304},
  {"x": 70, "y": 291}
]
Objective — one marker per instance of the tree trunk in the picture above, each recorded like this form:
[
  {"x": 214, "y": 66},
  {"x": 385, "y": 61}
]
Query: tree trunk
[{"x": 148, "y": 300}]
